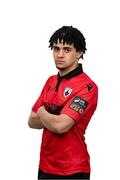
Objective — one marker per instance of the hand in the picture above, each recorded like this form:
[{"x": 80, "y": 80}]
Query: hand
[{"x": 41, "y": 110}]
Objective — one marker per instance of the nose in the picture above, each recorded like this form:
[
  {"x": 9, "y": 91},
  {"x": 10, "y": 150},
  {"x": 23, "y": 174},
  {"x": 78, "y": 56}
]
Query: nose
[{"x": 60, "y": 53}]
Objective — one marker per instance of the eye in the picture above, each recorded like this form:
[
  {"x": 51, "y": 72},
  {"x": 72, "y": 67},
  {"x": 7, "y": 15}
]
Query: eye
[
  {"x": 55, "y": 49},
  {"x": 67, "y": 49}
]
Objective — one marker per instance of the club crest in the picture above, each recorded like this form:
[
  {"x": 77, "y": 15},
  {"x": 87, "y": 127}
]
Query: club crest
[{"x": 67, "y": 92}]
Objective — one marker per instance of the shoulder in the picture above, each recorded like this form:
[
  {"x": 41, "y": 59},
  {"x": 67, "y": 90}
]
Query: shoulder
[
  {"x": 51, "y": 79},
  {"x": 85, "y": 85},
  {"x": 89, "y": 81}
]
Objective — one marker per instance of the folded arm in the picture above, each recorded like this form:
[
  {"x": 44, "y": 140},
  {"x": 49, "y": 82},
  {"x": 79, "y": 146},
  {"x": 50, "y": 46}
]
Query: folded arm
[
  {"x": 34, "y": 121},
  {"x": 55, "y": 123}
]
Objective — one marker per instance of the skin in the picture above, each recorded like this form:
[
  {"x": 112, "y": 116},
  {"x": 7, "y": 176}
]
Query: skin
[{"x": 66, "y": 59}]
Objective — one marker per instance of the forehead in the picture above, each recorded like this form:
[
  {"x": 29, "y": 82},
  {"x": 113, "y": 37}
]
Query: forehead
[{"x": 61, "y": 45}]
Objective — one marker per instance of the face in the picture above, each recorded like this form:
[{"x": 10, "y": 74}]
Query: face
[{"x": 65, "y": 56}]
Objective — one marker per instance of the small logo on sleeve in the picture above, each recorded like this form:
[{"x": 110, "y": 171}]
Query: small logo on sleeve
[
  {"x": 89, "y": 86},
  {"x": 79, "y": 104},
  {"x": 67, "y": 92}
]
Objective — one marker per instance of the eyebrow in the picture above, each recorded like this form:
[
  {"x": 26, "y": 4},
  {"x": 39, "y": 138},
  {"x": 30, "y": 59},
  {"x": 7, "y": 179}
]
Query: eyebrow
[{"x": 55, "y": 46}]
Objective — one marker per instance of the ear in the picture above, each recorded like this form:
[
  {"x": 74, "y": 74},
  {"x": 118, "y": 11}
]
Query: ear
[{"x": 79, "y": 54}]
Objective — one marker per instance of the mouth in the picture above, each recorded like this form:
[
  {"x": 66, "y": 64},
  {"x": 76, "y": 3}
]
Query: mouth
[{"x": 59, "y": 62}]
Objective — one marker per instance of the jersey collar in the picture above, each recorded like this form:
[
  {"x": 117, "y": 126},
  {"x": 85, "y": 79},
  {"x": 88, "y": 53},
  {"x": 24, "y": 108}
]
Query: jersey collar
[{"x": 73, "y": 73}]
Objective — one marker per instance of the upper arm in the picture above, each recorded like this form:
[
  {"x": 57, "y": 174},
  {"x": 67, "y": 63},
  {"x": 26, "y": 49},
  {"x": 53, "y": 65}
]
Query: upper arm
[
  {"x": 40, "y": 101},
  {"x": 82, "y": 105}
]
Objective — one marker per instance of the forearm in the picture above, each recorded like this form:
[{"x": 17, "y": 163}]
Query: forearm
[
  {"x": 50, "y": 121},
  {"x": 34, "y": 121},
  {"x": 55, "y": 123}
]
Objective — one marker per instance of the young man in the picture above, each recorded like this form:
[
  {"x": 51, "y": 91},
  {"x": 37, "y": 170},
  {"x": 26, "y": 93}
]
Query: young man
[{"x": 64, "y": 109}]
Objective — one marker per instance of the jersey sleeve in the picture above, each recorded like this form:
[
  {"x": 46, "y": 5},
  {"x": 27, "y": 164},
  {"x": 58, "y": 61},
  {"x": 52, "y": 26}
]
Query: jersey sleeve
[
  {"x": 40, "y": 99},
  {"x": 82, "y": 104}
]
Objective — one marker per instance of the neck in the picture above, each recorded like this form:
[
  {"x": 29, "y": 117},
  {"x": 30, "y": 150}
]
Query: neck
[{"x": 65, "y": 71}]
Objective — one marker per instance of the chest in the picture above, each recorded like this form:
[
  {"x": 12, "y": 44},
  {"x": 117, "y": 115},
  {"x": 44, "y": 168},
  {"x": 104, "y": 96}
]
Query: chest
[{"x": 58, "y": 94}]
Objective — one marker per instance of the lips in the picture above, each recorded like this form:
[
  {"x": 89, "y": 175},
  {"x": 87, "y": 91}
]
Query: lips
[{"x": 59, "y": 62}]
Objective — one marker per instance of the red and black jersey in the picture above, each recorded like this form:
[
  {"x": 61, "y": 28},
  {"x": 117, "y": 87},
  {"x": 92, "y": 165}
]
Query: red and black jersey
[{"x": 75, "y": 95}]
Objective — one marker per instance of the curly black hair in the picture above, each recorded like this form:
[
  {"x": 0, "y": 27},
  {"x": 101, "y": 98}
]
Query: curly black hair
[{"x": 69, "y": 35}]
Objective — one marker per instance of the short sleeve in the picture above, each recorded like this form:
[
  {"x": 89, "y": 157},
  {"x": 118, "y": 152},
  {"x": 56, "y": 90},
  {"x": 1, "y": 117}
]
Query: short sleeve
[
  {"x": 82, "y": 104},
  {"x": 40, "y": 99}
]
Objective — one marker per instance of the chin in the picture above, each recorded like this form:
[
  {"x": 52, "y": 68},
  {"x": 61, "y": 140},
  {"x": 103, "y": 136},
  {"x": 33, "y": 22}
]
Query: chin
[{"x": 60, "y": 67}]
